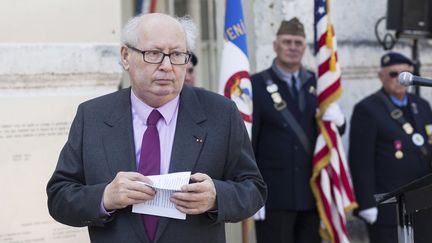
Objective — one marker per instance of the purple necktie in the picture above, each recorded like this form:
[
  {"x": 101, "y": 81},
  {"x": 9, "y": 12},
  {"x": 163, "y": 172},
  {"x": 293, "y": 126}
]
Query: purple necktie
[{"x": 149, "y": 164}]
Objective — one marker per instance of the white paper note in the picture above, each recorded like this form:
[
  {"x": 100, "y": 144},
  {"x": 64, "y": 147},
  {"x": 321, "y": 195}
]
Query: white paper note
[{"x": 161, "y": 205}]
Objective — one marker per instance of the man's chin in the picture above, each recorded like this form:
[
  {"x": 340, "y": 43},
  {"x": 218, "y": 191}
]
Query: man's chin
[
  {"x": 291, "y": 60},
  {"x": 165, "y": 91}
]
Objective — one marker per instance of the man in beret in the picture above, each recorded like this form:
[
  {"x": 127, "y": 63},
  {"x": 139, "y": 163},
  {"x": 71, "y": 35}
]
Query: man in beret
[
  {"x": 390, "y": 146},
  {"x": 284, "y": 132},
  {"x": 190, "y": 70}
]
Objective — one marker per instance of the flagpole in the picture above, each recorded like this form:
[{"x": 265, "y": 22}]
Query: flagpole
[{"x": 245, "y": 230}]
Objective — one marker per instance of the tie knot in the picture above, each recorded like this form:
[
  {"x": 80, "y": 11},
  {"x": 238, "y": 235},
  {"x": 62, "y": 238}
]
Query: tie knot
[{"x": 153, "y": 118}]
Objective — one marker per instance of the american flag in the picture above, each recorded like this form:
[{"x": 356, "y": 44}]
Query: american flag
[{"x": 331, "y": 180}]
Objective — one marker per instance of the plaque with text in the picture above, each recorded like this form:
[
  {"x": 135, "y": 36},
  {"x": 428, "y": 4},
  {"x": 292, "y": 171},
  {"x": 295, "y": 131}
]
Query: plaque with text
[{"x": 33, "y": 129}]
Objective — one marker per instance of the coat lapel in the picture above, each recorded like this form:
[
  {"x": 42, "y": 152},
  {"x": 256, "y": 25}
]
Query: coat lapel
[
  {"x": 188, "y": 140},
  {"x": 119, "y": 140},
  {"x": 120, "y": 148},
  {"x": 190, "y": 135},
  {"x": 308, "y": 91}
]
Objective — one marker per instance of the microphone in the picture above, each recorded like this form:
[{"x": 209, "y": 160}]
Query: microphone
[{"x": 406, "y": 79}]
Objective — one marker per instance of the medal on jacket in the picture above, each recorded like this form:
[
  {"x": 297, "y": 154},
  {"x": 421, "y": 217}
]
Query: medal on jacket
[
  {"x": 428, "y": 129},
  {"x": 398, "y": 147},
  {"x": 408, "y": 128},
  {"x": 417, "y": 139},
  {"x": 312, "y": 90},
  {"x": 278, "y": 102}
]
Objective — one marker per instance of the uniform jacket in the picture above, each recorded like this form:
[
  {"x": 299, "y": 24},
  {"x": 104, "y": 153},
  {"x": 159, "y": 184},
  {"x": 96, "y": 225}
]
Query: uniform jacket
[
  {"x": 374, "y": 166},
  {"x": 284, "y": 164},
  {"x": 100, "y": 145}
]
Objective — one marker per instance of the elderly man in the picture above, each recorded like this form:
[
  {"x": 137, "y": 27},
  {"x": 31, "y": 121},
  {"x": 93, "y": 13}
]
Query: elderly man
[
  {"x": 156, "y": 127},
  {"x": 390, "y": 145},
  {"x": 284, "y": 131}
]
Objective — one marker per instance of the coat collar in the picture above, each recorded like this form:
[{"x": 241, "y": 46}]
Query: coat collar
[{"x": 303, "y": 74}]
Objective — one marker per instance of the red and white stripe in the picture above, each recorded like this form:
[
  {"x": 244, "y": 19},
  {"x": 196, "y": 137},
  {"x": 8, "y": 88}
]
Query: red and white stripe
[
  {"x": 148, "y": 6},
  {"x": 333, "y": 184},
  {"x": 331, "y": 180}
]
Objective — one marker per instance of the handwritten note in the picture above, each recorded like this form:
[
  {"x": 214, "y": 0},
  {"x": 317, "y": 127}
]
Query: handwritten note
[{"x": 161, "y": 205}]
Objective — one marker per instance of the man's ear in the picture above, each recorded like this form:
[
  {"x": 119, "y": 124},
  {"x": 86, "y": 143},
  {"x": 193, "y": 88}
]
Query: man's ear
[
  {"x": 381, "y": 75},
  {"x": 124, "y": 55}
]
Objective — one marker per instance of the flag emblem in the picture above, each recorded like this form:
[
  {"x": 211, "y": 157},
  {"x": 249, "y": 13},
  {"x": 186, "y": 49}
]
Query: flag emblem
[{"x": 234, "y": 73}]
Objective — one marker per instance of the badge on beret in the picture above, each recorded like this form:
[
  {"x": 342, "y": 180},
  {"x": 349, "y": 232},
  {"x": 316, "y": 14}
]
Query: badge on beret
[
  {"x": 417, "y": 139},
  {"x": 393, "y": 58},
  {"x": 386, "y": 59}
]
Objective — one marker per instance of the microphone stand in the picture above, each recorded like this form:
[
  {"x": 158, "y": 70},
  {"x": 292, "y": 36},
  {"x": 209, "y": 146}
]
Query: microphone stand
[{"x": 416, "y": 61}]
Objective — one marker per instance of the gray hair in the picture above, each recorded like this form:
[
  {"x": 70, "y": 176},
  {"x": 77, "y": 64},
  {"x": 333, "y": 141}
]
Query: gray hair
[{"x": 129, "y": 35}]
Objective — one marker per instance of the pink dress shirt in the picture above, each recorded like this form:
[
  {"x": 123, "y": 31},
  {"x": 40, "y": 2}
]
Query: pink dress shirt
[{"x": 166, "y": 128}]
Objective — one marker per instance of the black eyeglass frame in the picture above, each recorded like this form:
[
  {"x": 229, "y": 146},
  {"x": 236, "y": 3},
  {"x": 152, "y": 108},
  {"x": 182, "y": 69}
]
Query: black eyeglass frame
[
  {"x": 188, "y": 56},
  {"x": 394, "y": 74}
]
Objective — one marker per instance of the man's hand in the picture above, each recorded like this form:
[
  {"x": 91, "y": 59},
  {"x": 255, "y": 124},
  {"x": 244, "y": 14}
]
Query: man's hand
[
  {"x": 124, "y": 190},
  {"x": 197, "y": 197},
  {"x": 334, "y": 114}
]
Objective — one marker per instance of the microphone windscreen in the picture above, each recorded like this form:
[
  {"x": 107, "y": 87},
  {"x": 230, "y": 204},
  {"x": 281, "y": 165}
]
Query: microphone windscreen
[{"x": 405, "y": 78}]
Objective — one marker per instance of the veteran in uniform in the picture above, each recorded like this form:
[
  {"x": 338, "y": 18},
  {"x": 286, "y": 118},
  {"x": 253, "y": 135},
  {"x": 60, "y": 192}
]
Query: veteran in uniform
[
  {"x": 283, "y": 137},
  {"x": 390, "y": 146}
]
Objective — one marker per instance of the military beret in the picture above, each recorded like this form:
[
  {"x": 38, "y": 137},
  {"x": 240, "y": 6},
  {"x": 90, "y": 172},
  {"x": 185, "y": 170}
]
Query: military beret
[
  {"x": 393, "y": 58},
  {"x": 194, "y": 59},
  {"x": 291, "y": 27}
]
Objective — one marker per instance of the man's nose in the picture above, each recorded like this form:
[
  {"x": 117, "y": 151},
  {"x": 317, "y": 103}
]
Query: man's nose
[{"x": 166, "y": 63}]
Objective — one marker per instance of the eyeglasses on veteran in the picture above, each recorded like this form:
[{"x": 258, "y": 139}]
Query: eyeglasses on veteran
[
  {"x": 157, "y": 57},
  {"x": 394, "y": 74}
]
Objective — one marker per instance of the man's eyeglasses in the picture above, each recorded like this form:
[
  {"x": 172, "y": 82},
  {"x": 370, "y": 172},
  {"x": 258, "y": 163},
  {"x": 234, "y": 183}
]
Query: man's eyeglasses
[
  {"x": 394, "y": 74},
  {"x": 157, "y": 57}
]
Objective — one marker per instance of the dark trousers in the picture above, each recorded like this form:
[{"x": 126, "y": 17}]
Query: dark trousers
[{"x": 283, "y": 226}]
